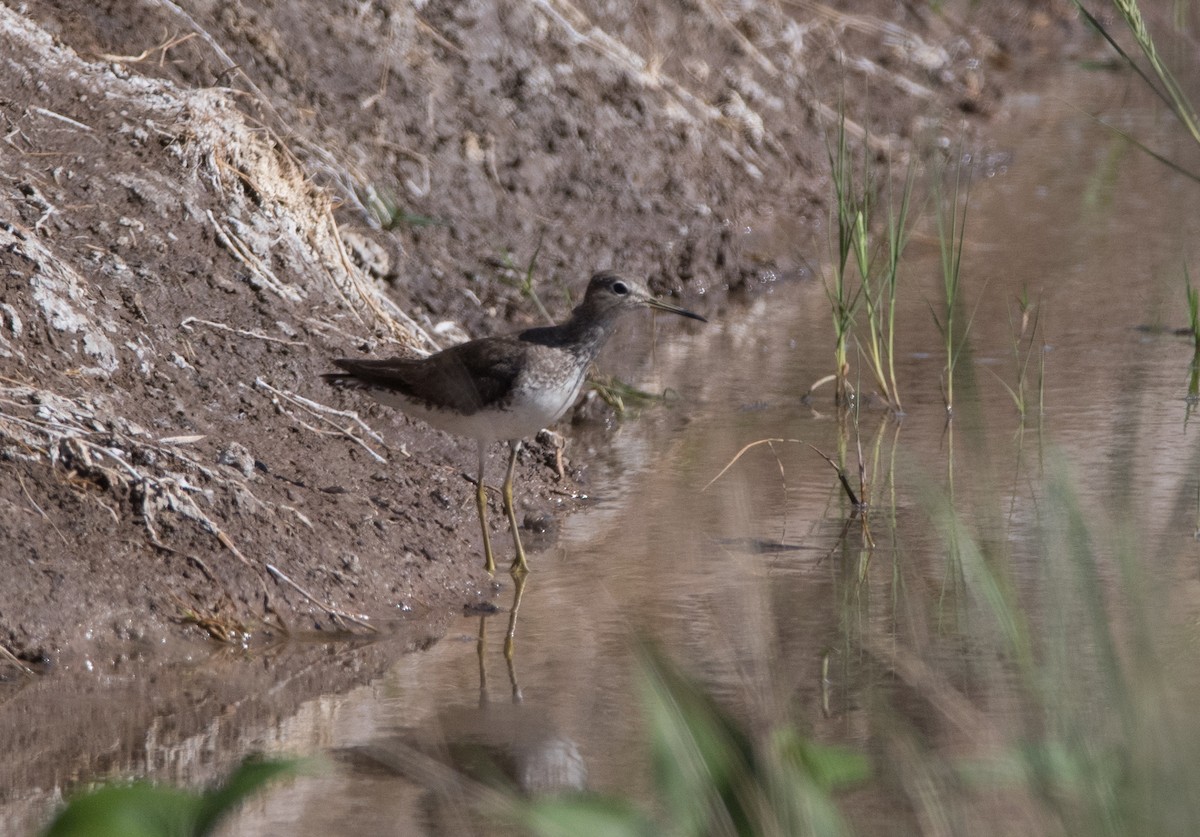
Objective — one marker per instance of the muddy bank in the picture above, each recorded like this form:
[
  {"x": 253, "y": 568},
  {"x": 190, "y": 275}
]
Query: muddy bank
[
  {"x": 203, "y": 203},
  {"x": 201, "y": 207}
]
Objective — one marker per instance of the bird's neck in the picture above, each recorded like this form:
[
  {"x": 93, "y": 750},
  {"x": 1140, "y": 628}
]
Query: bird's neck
[
  {"x": 584, "y": 333},
  {"x": 588, "y": 329}
]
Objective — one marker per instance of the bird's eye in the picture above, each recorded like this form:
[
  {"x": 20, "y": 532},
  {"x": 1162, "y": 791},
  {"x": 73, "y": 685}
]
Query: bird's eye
[{"x": 620, "y": 288}]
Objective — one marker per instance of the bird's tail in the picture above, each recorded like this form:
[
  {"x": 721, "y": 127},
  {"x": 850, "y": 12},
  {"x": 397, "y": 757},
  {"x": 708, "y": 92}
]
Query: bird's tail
[
  {"x": 360, "y": 373},
  {"x": 347, "y": 377},
  {"x": 341, "y": 379}
]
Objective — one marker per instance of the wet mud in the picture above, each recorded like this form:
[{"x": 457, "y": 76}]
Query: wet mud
[{"x": 202, "y": 204}]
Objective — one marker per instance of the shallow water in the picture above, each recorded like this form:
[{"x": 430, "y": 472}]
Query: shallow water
[
  {"x": 756, "y": 582},
  {"x": 752, "y": 582}
]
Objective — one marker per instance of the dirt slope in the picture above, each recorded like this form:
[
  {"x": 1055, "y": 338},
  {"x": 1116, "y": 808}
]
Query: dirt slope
[{"x": 201, "y": 203}]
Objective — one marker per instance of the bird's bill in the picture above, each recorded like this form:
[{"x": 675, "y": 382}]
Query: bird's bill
[{"x": 674, "y": 309}]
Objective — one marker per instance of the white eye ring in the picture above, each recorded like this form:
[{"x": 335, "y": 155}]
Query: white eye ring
[{"x": 620, "y": 288}]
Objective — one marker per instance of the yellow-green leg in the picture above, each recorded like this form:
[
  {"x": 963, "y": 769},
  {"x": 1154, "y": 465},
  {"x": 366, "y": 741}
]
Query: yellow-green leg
[
  {"x": 519, "y": 564},
  {"x": 481, "y": 652},
  {"x": 510, "y": 645},
  {"x": 489, "y": 563},
  {"x": 510, "y": 636}
]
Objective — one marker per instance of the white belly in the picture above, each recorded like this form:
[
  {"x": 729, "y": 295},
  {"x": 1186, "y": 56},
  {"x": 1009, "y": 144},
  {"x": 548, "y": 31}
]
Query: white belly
[{"x": 524, "y": 417}]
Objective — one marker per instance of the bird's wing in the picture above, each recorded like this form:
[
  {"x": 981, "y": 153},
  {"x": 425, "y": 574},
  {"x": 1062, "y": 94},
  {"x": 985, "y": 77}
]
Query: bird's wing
[{"x": 464, "y": 378}]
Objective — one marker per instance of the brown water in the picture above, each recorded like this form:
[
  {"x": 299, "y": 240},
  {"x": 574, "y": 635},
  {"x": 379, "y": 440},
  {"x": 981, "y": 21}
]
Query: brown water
[{"x": 753, "y": 583}]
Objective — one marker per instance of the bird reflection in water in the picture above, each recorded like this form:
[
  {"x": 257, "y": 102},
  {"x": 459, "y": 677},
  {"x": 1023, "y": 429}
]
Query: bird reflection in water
[{"x": 467, "y": 753}]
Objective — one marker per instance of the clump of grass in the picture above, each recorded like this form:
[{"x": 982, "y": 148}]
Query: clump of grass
[
  {"x": 1158, "y": 78},
  {"x": 1114, "y": 744},
  {"x": 858, "y": 277},
  {"x": 385, "y": 210},
  {"x": 882, "y": 293},
  {"x": 851, "y": 208},
  {"x": 1026, "y": 344},
  {"x": 953, "y": 323},
  {"x": 624, "y": 397},
  {"x": 523, "y": 278}
]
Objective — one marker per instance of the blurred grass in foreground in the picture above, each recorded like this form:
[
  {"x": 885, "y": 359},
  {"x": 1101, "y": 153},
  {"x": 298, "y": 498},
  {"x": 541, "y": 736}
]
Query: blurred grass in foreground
[
  {"x": 1057, "y": 704},
  {"x": 141, "y": 809},
  {"x": 710, "y": 775}
]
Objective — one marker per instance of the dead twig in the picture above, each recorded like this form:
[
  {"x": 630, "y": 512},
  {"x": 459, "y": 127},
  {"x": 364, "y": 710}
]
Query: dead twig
[
  {"x": 186, "y": 325},
  {"x": 733, "y": 461},
  {"x": 15, "y": 661},
  {"x": 854, "y": 501},
  {"x": 332, "y": 612},
  {"x": 39, "y": 509},
  {"x": 68, "y": 120},
  {"x": 402, "y": 326},
  {"x": 162, "y": 48},
  {"x": 437, "y": 36},
  {"x": 320, "y": 412},
  {"x": 261, "y": 275}
]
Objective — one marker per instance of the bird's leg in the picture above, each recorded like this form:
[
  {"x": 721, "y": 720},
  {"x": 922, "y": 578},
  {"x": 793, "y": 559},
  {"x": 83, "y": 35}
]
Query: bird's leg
[
  {"x": 518, "y": 565},
  {"x": 489, "y": 563},
  {"x": 481, "y": 652},
  {"x": 510, "y": 637}
]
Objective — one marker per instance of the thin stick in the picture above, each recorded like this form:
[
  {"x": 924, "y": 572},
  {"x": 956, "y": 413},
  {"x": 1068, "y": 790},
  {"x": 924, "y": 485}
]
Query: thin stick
[
  {"x": 742, "y": 451},
  {"x": 12, "y": 658},
  {"x": 170, "y": 43},
  {"x": 243, "y": 254},
  {"x": 841, "y": 476},
  {"x": 437, "y": 36},
  {"x": 39, "y": 510},
  {"x": 397, "y": 321},
  {"x": 257, "y": 335},
  {"x": 62, "y": 118},
  {"x": 317, "y": 410},
  {"x": 330, "y": 610}
]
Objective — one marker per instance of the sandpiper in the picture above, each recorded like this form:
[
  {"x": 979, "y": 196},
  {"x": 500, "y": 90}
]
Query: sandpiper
[{"x": 506, "y": 387}]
